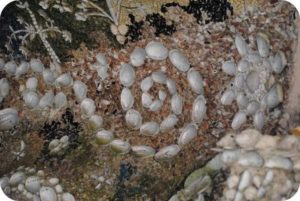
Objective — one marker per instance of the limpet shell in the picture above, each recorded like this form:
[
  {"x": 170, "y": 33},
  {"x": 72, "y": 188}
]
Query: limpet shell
[
  {"x": 159, "y": 77},
  {"x": 179, "y": 60},
  {"x": 252, "y": 107},
  {"x": 47, "y": 100},
  {"x": 101, "y": 59},
  {"x": 263, "y": 44},
  {"x": 60, "y": 100},
  {"x": 8, "y": 118},
  {"x": 31, "y": 99},
  {"x": 195, "y": 81},
  {"x": 156, "y": 105},
  {"x": 149, "y": 128},
  {"x": 96, "y": 122},
  {"x": 168, "y": 123},
  {"x": 238, "y": 120},
  {"x": 230, "y": 156},
  {"x": 251, "y": 159},
  {"x": 22, "y": 69},
  {"x": 36, "y": 65},
  {"x": 80, "y": 90},
  {"x": 48, "y": 76},
  {"x": 10, "y": 67},
  {"x": 87, "y": 107},
  {"x": 138, "y": 56},
  {"x": 48, "y": 194},
  {"x": 171, "y": 85},
  {"x": 245, "y": 180},
  {"x": 143, "y": 151},
  {"x": 239, "y": 81},
  {"x": 33, "y": 184},
  {"x": 31, "y": 83},
  {"x": 278, "y": 62},
  {"x": 259, "y": 120},
  {"x": 253, "y": 81},
  {"x": 241, "y": 45},
  {"x": 279, "y": 162},
  {"x": 228, "y": 97},
  {"x": 242, "y": 101},
  {"x": 162, "y": 95},
  {"x": 167, "y": 152},
  {"x": 146, "y": 84},
  {"x": 127, "y": 99},
  {"x": 274, "y": 96},
  {"x": 67, "y": 197},
  {"x": 243, "y": 66},
  {"x": 229, "y": 67},
  {"x": 133, "y": 119},
  {"x": 120, "y": 146},
  {"x": 188, "y": 133},
  {"x": 127, "y": 75},
  {"x": 156, "y": 50},
  {"x": 104, "y": 137},
  {"x": 199, "y": 109},
  {"x": 17, "y": 178},
  {"x": 4, "y": 87},
  {"x": 176, "y": 104},
  {"x": 147, "y": 99},
  {"x": 64, "y": 80}
]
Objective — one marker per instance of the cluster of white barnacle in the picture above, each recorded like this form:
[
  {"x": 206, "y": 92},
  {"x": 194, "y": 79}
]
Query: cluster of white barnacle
[
  {"x": 254, "y": 87},
  {"x": 262, "y": 167},
  {"x": 157, "y": 51},
  {"x": 27, "y": 183}
]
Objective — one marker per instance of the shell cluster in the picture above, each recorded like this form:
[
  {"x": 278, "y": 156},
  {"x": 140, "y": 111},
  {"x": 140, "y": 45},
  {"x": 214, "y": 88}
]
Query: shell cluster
[
  {"x": 58, "y": 146},
  {"x": 27, "y": 183},
  {"x": 157, "y": 51},
  {"x": 262, "y": 167},
  {"x": 254, "y": 86}
]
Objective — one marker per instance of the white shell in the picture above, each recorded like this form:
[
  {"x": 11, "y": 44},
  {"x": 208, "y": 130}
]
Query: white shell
[
  {"x": 147, "y": 100},
  {"x": 137, "y": 57},
  {"x": 254, "y": 57},
  {"x": 168, "y": 123},
  {"x": 127, "y": 99},
  {"x": 48, "y": 76},
  {"x": 252, "y": 107},
  {"x": 279, "y": 162},
  {"x": 156, "y": 50},
  {"x": 268, "y": 178},
  {"x": 4, "y": 87},
  {"x": 167, "y": 152},
  {"x": 64, "y": 80},
  {"x": 60, "y": 100},
  {"x": 239, "y": 81},
  {"x": 22, "y": 69},
  {"x": 251, "y": 159},
  {"x": 263, "y": 45},
  {"x": 199, "y": 109},
  {"x": 230, "y": 156},
  {"x": 241, "y": 45},
  {"x": 17, "y": 178},
  {"x": 274, "y": 96},
  {"x": 101, "y": 59},
  {"x": 278, "y": 62},
  {"x": 149, "y": 128},
  {"x": 242, "y": 101},
  {"x": 228, "y": 97},
  {"x": 47, "y": 100},
  {"x": 227, "y": 142},
  {"x": 114, "y": 29},
  {"x": 33, "y": 184},
  {"x": 127, "y": 75},
  {"x": 31, "y": 99},
  {"x": 10, "y": 67},
  {"x": 36, "y": 65},
  {"x": 156, "y": 105},
  {"x": 243, "y": 66},
  {"x": 171, "y": 85},
  {"x": 179, "y": 60},
  {"x": 176, "y": 104},
  {"x": 188, "y": 133},
  {"x": 67, "y": 197},
  {"x": 32, "y": 83},
  {"x": 159, "y": 77},
  {"x": 229, "y": 67},
  {"x": 120, "y": 146},
  {"x": 146, "y": 84},
  {"x": 87, "y": 107},
  {"x": 143, "y": 151},
  {"x": 48, "y": 194},
  {"x": 248, "y": 138},
  {"x": 123, "y": 29},
  {"x": 80, "y": 90},
  {"x": 104, "y": 137},
  {"x": 253, "y": 81},
  {"x": 259, "y": 120},
  {"x": 233, "y": 181},
  {"x": 162, "y": 95},
  {"x": 8, "y": 118},
  {"x": 195, "y": 81},
  {"x": 238, "y": 120},
  {"x": 245, "y": 180},
  {"x": 133, "y": 119},
  {"x": 96, "y": 121},
  {"x": 55, "y": 67},
  {"x": 58, "y": 188}
]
